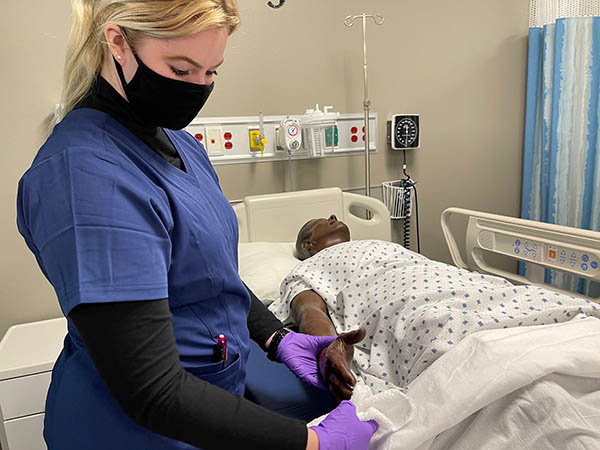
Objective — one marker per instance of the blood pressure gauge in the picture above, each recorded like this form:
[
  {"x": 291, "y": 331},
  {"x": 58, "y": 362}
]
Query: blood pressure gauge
[{"x": 404, "y": 131}]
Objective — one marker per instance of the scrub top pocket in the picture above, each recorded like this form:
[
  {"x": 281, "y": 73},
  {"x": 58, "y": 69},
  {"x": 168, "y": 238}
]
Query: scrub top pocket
[{"x": 215, "y": 374}]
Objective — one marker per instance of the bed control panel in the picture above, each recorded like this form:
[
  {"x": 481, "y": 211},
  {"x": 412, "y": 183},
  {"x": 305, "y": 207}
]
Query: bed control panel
[{"x": 563, "y": 257}]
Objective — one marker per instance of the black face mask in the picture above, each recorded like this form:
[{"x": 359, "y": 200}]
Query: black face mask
[{"x": 161, "y": 101}]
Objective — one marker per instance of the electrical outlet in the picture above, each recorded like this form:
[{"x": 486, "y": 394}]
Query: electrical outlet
[
  {"x": 199, "y": 133},
  {"x": 228, "y": 137},
  {"x": 214, "y": 141},
  {"x": 355, "y": 137}
]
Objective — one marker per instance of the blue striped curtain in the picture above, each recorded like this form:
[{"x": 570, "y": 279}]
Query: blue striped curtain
[{"x": 561, "y": 167}]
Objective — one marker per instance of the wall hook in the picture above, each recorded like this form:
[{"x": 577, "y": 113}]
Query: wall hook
[{"x": 272, "y": 5}]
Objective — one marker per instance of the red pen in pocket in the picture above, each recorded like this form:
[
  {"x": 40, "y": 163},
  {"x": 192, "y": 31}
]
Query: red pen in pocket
[{"x": 222, "y": 348}]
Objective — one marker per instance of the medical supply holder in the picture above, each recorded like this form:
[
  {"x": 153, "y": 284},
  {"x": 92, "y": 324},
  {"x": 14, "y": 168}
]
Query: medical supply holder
[{"x": 398, "y": 196}]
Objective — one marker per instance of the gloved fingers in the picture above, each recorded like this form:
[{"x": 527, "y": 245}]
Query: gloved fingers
[
  {"x": 354, "y": 336},
  {"x": 319, "y": 383},
  {"x": 343, "y": 429},
  {"x": 374, "y": 425},
  {"x": 323, "y": 342},
  {"x": 371, "y": 425}
]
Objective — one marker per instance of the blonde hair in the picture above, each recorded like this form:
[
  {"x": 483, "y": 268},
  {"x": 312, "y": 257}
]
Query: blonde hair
[{"x": 156, "y": 18}]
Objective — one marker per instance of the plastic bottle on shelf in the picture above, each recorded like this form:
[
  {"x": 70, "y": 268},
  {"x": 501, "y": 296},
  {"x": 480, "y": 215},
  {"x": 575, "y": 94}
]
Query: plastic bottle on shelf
[{"x": 315, "y": 126}]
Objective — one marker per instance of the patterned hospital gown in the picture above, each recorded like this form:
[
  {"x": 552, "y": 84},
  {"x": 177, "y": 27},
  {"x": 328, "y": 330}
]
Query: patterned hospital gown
[{"x": 414, "y": 309}]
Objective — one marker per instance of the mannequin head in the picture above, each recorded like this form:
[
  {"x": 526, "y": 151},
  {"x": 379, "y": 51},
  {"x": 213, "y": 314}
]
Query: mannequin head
[{"x": 317, "y": 234}]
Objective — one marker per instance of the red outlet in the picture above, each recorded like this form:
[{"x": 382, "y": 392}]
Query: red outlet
[{"x": 199, "y": 136}]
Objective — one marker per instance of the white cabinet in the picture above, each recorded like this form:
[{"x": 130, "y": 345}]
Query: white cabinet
[
  {"x": 25, "y": 433},
  {"x": 27, "y": 354}
]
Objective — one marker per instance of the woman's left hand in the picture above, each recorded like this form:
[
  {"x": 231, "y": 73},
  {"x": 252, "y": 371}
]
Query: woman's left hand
[{"x": 335, "y": 361}]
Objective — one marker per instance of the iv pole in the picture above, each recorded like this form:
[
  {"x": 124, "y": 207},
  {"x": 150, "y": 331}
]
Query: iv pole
[{"x": 349, "y": 22}]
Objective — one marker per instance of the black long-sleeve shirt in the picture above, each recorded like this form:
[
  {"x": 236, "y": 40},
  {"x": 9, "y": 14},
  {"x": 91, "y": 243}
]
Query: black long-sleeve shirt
[{"x": 133, "y": 346}]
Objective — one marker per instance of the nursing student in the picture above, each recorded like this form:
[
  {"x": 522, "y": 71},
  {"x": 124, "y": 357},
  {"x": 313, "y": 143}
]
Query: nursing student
[{"x": 124, "y": 214}]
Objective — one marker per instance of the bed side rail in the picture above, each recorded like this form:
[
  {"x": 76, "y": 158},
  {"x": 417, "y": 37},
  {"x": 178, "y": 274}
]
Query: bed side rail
[
  {"x": 378, "y": 226},
  {"x": 543, "y": 245}
]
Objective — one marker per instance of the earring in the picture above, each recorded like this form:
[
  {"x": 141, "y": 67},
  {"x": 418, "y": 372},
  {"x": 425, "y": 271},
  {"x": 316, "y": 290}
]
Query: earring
[{"x": 118, "y": 56}]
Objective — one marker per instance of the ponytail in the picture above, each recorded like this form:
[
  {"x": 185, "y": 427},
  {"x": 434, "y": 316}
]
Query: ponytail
[{"x": 85, "y": 53}]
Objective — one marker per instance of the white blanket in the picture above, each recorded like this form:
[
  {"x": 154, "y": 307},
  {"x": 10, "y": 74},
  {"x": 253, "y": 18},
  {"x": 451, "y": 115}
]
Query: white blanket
[
  {"x": 521, "y": 388},
  {"x": 457, "y": 341}
]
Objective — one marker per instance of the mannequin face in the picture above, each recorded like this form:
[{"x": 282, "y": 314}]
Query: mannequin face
[
  {"x": 193, "y": 58},
  {"x": 323, "y": 233}
]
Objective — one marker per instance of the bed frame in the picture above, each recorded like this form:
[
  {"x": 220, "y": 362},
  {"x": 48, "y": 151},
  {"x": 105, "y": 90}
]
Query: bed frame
[{"x": 278, "y": 217}]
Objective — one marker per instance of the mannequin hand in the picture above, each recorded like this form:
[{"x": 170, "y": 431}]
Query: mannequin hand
[
  {"x": 335, "y": 361},
  {"x": 342, "y": 429},
  {"x": 300, "y": 351}
]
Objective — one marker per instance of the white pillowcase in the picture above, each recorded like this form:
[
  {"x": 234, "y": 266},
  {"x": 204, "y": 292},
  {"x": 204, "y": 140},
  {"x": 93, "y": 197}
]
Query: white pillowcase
[{"x": 264, "y": 265}]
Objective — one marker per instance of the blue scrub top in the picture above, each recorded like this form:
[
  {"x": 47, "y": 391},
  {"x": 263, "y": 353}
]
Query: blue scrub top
[{"x": 109, "y": 220}]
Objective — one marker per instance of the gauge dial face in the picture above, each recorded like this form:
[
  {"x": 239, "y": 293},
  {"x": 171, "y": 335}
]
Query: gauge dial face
[
  {"x": 406, "y": 132},
  {"x": 293, "y": 129}
]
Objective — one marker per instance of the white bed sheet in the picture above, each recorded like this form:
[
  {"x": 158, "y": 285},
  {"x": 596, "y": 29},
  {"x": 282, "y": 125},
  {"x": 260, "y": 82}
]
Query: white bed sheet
[{"x": 520, "y": 388}]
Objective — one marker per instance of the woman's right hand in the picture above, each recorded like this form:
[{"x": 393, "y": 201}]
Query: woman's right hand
[{"x": 342, "y": 429}]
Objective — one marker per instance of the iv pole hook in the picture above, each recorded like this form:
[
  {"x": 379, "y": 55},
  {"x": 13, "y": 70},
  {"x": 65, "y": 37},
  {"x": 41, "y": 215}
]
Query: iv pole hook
[{"x": 272, "y": 5}]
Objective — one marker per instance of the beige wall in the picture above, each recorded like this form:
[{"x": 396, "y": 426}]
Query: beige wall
[{"x": 460, "y": 64}]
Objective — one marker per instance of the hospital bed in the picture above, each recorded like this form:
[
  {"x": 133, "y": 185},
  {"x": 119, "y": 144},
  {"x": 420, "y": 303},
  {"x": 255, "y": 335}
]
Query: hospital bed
[{"x": 447, "y": 413}]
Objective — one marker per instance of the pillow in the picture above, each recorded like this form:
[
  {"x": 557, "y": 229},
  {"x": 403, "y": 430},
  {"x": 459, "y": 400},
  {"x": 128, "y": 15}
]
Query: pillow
[{"x": 264, "y": 265}]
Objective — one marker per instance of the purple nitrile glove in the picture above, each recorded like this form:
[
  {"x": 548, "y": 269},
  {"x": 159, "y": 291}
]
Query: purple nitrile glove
[
  {"x": 342, "y": 429},
  {"x": 300, "y": 352}
]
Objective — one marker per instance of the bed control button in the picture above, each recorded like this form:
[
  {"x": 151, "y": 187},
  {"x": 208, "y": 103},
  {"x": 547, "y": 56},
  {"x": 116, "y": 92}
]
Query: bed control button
[
  {"x": 584, "y": 266},
  {"x": 585, "y": 258},
  {"x": 594, "y": 264}
]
